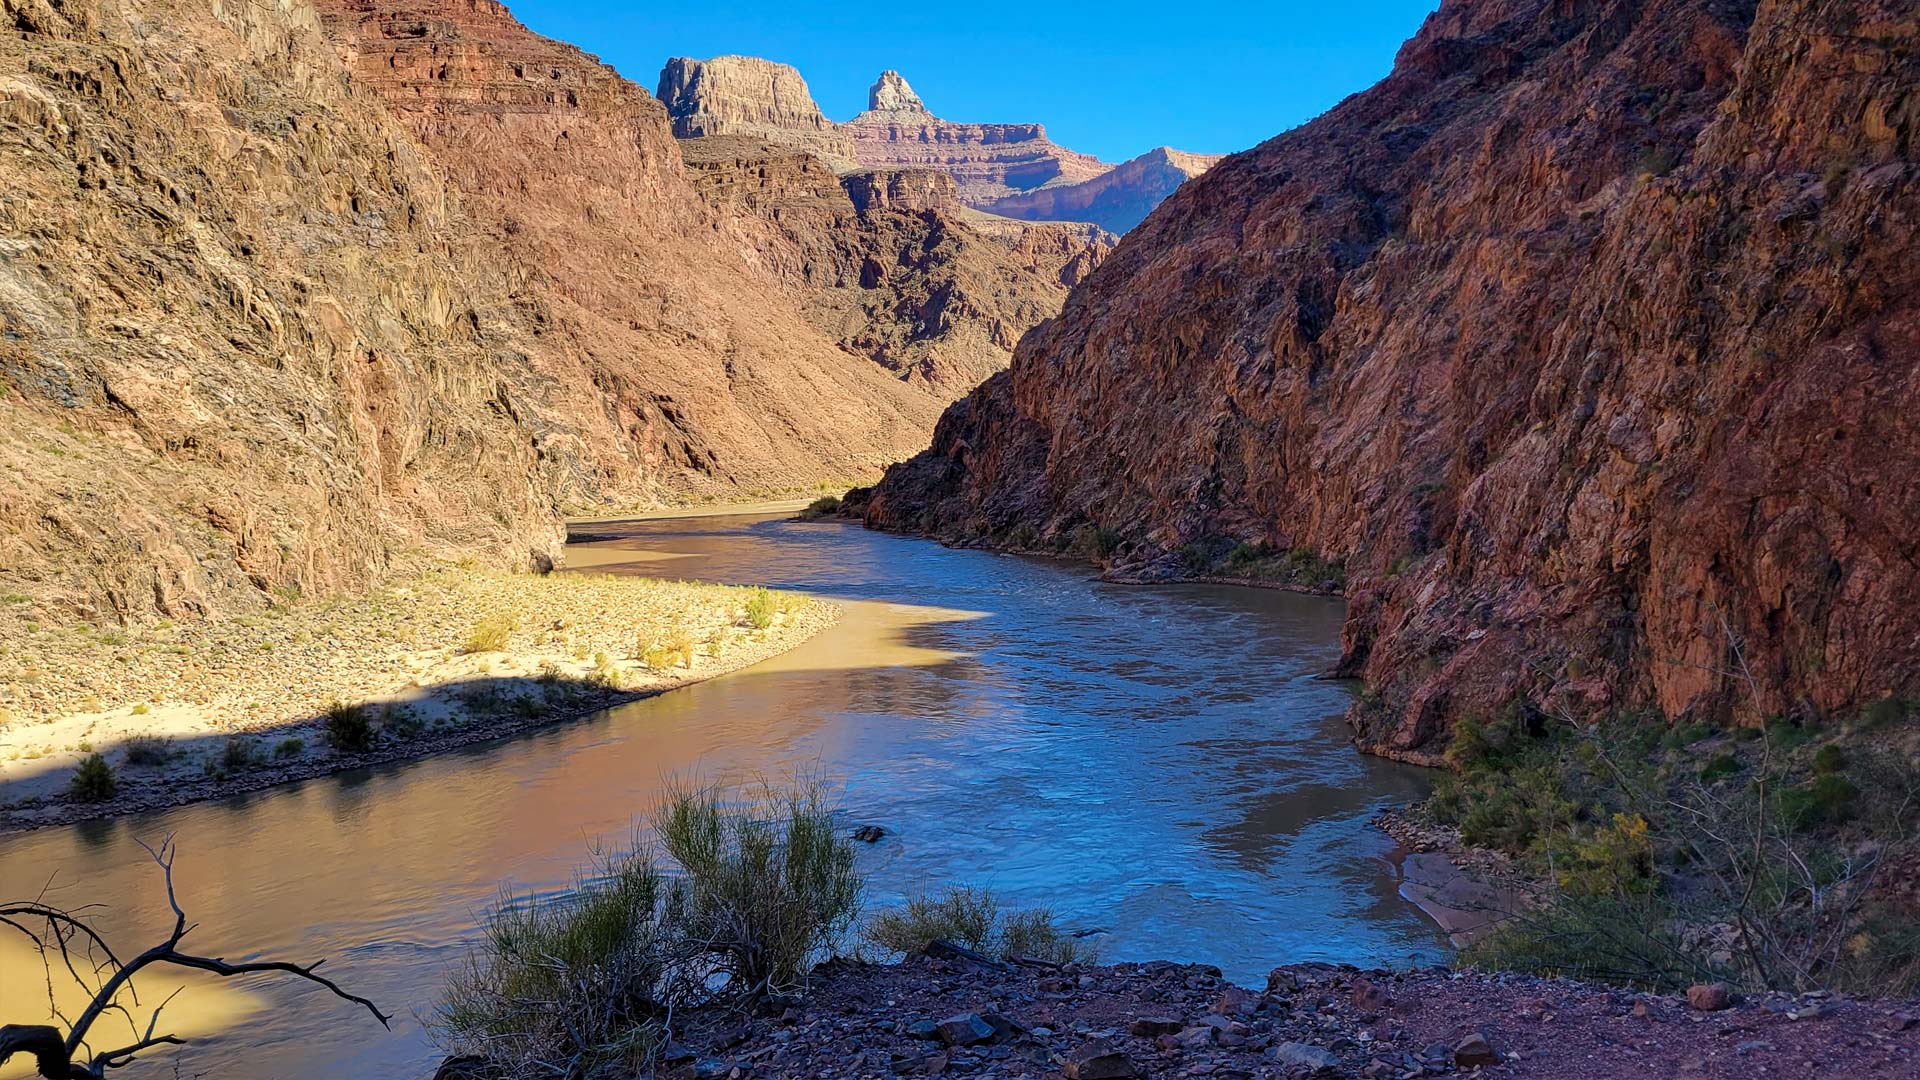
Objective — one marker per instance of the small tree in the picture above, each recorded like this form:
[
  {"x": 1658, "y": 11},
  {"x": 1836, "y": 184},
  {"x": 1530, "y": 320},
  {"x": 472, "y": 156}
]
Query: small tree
[{"x": 89, "y": 960}]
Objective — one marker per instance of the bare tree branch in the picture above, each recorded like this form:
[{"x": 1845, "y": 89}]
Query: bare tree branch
[{"x": 68, "y": 1057}]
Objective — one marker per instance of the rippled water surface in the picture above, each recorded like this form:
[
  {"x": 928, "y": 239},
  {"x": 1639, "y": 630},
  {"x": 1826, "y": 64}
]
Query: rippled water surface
[{"x": 1160, "y": 764}]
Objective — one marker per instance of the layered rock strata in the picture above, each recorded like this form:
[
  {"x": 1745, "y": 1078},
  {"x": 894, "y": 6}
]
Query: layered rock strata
[
  {"x": 986, "y": 160},
  {"x": 889, "y": 264},
  {"x": 1588, "y": 339},
  {"x": 1116, "y": 200},
  {"x": 286, "y": 300},
  {"x": 745, "y": 95}
]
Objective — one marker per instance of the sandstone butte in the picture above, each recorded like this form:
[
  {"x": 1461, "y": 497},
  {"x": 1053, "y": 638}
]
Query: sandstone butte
[
  {"x": 1589, "y": 339},
  {"x": 293, "y": 291},
  {"x": 1009, "y": 170},
  {"x": 888, "y": 263}
]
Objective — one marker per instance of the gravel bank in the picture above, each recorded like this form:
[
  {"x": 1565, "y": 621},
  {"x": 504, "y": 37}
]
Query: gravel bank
[{"x": 450, "y": 657}]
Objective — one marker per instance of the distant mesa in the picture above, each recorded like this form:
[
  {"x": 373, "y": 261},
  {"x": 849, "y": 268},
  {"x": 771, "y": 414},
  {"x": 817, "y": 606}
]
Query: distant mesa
[
  {"x": 745, "y": 95},
  {"x": 1012, "y": 169}
]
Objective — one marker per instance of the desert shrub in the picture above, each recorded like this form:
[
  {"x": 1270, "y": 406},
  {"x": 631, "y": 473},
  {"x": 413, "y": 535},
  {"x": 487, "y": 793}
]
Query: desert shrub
[
  {"x": 1776, "y": 847},
  {"x": 962, "y": 915},
  {"x": 93, "y": 780},
  {"x": 290, "y": 747},
  {"x": 239, "y": 754},
  {"x": 581, "y": 986},
  {"x": 348, "y": 727},
  {"x": 1096, "y": 541},
  {"x": 574, "y": 981},
  {"x": 822, "y": 507},
  {"x": 973, "y": 918},
  {"x": 768, "y": 883},
  {"x": 490, "y": 634},
  {"x": 149, "y": 750},
  {"x": 761, "y": 606},
  {"x": 605, "y": 674},
  {"x": 675, "y": 648},
  {"x": 400, "y": 723}
]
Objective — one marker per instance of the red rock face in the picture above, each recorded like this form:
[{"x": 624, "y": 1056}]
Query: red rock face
[
  {"x": 1589, "y": 338},
  {"x": 707, "y": 371}
]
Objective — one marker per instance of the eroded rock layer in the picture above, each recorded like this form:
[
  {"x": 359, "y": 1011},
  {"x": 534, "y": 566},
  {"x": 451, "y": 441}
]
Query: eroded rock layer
[
  {"x": 986, "y": 160},
  {"x": 1589, "y": 339},
  {"x": 745, "y": 95},
  {"x": 1116, "y": 200},
  {"x": 269, "y": 322},
  {"x": 890, "y": 264}
]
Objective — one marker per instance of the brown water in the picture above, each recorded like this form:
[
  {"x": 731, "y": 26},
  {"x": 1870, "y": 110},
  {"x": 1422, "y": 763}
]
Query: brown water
[{"x": 1159, "y": 764}]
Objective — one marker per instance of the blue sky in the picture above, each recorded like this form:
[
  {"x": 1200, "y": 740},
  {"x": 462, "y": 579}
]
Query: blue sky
[{"x": 1111, "y": 79}]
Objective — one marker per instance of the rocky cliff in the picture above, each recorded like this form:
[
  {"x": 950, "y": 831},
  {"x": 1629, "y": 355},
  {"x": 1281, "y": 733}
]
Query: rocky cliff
[
  {"x": 745, "y": 95},
  {"x": 985, "y": 160},
  {"x": 1589, "y": 339},
  {"x": 889, "y": 264},
  {"x": 284, "y": 300},
  {"x": 1116, "y": 200}
]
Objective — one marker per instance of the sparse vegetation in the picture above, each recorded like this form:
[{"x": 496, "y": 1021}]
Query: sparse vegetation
[
  {"x": 491, "y": 634},
  {"x": 93, "y": 780},
  {"x": 972, "y": 917},
  {"x": 761, "y": 607},
  {"x": 1096, "y": 541},
  {"x": 348, "y": 728},
  {"x": 1673, "y": 859},
  {"x": 290, "y": 747},
  {"x": 148, "y": 751},
  {"x": 765, "y": 888}
]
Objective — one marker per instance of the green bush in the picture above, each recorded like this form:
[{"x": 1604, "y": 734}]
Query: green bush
[
  {"x": 971, "y": 917},
  {"x": 290, "y": 747},
  {"x": 349, "y": 729},
  {"x": 588, "y": 980},
  {"x": 1641, "y": 835},
  {"x": 1096, "y": 541},
  {"x": 576, "y": 981},
  {"x": 761, "y": 606},
  {"x": 822, "y": 507},
  {"x": 491, "y": 634},
  {"x": 149, "y": 750},
  {"x": 767, "y": 883},
  {"x": 238, "y": 755},
  {"x": 93, "y": 780}
]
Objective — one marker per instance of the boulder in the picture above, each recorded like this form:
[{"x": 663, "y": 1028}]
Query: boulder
[
  {"x": 1710, "y": 997},
  {"x": 1097, "y": 1059},
  {"x": 1474, "y": 1050},
  {"x": 965, "y": 1029},
  {"x": 1304, "y": 1059}
]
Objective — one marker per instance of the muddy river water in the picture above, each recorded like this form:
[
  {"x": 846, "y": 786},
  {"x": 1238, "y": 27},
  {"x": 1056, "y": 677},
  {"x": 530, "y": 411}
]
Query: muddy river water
[{"x": 1162, "y": 765}]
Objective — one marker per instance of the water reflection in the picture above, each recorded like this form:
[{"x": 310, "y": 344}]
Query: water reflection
[{"x": 1160, "y": 763}]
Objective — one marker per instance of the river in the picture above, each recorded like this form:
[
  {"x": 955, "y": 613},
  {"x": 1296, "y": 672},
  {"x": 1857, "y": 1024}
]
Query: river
[{"x": 1160, "y": 764}]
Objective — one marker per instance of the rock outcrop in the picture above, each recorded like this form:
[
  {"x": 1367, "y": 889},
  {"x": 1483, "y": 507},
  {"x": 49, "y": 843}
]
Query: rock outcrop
[
  {"x": 889, "y": 264},
  {"x": 1116, "y": 200},
  {"x": 987, "y": 161},
  {"x": 1589, "y": 339},
  {"x": 283, "y": 301},
  {"x": 745, "y": 95},
  {"x": 1009, "y": 169}
]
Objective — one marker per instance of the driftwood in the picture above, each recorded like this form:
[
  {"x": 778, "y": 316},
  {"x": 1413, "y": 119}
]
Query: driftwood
[{"x": 67, "y": 936}]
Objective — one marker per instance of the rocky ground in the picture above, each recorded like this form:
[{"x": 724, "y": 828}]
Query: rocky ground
[
  {"x": 451, "y": 656},
  {"x": 961, "y": 1017}
]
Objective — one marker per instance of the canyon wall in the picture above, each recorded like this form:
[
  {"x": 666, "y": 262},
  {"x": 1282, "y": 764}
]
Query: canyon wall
[
  {"x": 291, "y": 295},
  {"x": 1589, "y": 339}
]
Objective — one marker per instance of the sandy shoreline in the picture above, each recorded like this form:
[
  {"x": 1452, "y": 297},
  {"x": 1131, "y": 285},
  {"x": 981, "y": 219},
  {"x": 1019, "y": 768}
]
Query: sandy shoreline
[{"x": 447, "y": 658}]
